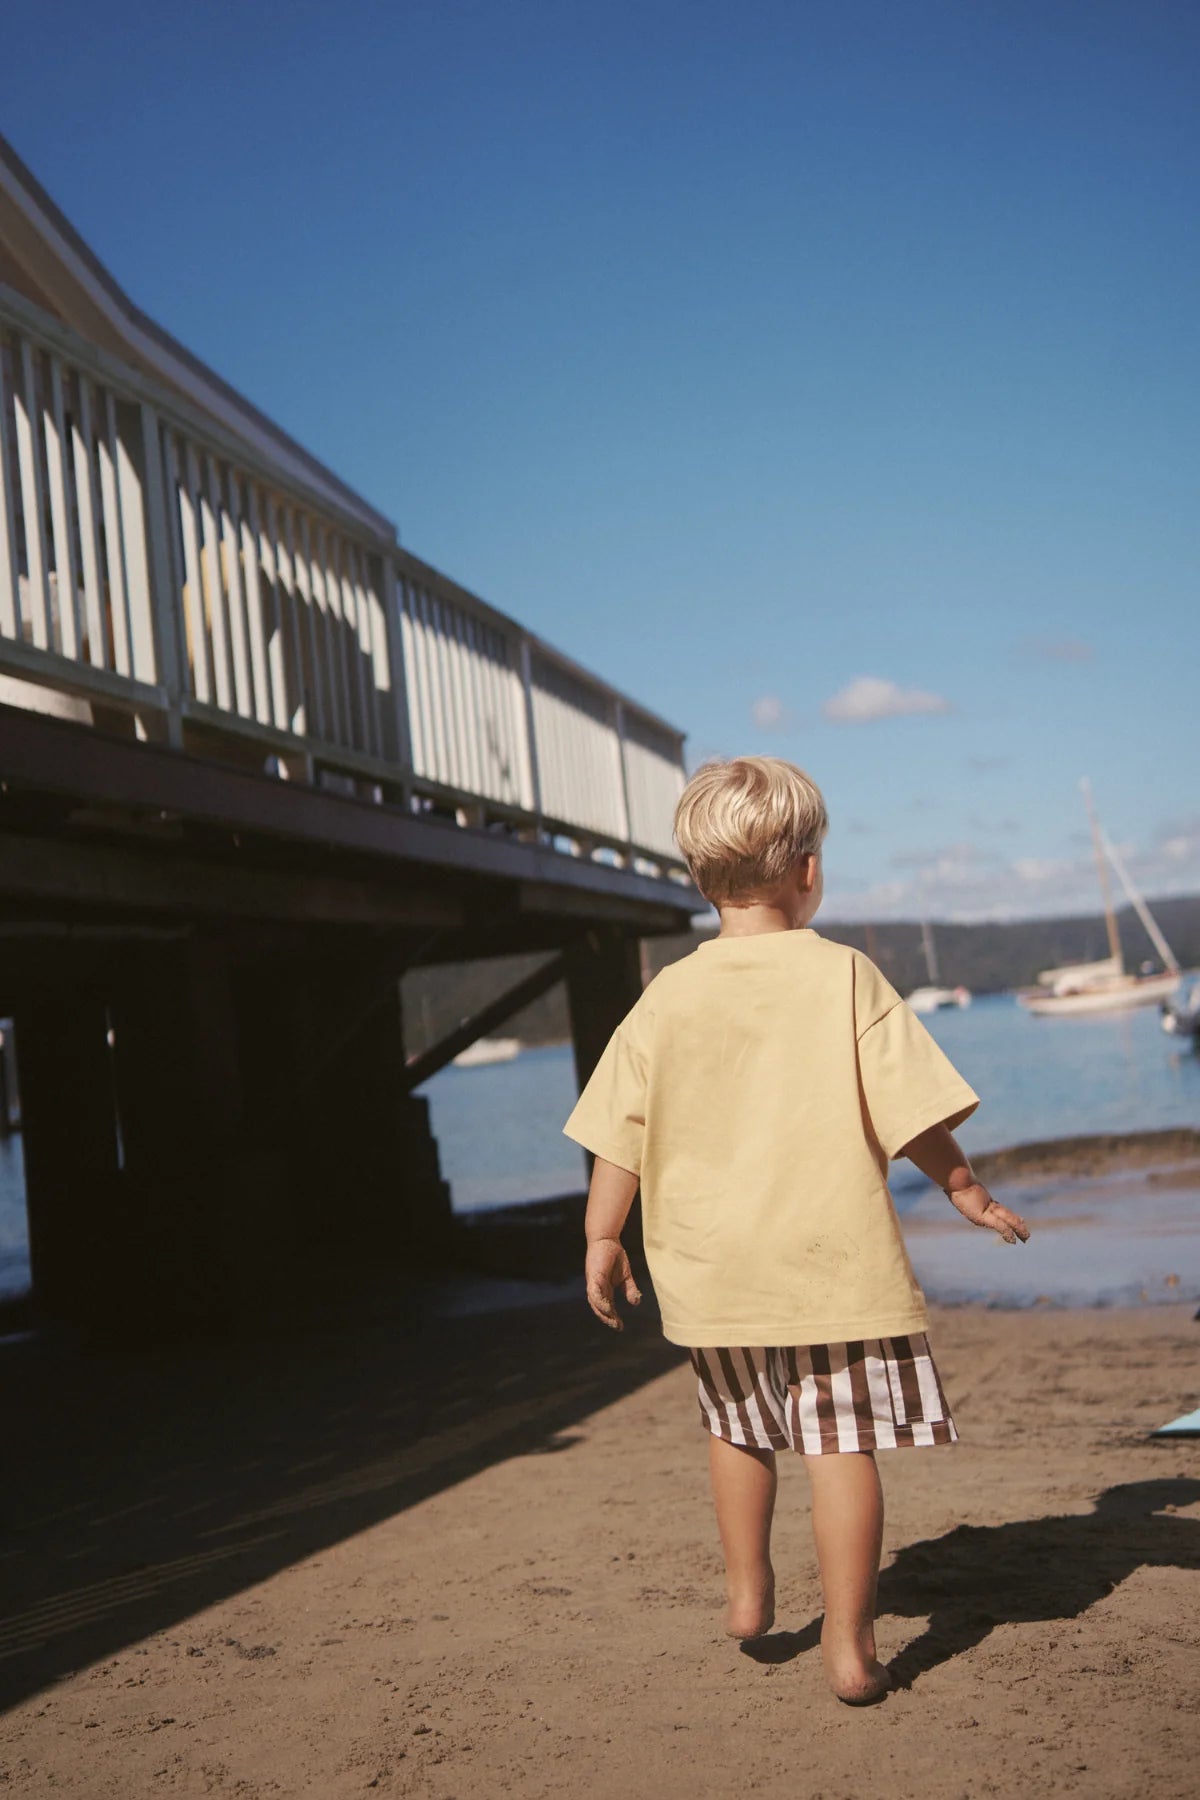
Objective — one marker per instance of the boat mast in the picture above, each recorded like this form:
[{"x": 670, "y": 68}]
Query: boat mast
[
  {"x": 1110, "y": 917},
  {"x": 1170, "y": 963},
  {"x": 930, "y": 955}
]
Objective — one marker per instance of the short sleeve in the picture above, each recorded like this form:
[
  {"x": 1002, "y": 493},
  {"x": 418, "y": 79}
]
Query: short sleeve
[
  {"x": 908, "y": 1082},
  {"x": 610, "y": 1115}
]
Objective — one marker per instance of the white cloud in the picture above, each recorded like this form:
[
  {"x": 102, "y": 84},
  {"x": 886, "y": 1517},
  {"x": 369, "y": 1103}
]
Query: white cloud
[
  {"x": 950, "y": 863},
  {"x": 965, "y": 884},
  {"x": 1179, "y": 840},
  {"x": 767, "y": 712},
  {"x": 871, "y": 697}
]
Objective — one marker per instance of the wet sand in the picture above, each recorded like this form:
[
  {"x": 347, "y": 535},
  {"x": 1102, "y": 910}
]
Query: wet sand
[{"x": 1116, "y": 1221}]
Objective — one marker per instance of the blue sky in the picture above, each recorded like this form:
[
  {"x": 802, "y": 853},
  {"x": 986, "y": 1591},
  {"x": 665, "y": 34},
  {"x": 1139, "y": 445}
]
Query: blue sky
[{"x": 825, "y": 376}]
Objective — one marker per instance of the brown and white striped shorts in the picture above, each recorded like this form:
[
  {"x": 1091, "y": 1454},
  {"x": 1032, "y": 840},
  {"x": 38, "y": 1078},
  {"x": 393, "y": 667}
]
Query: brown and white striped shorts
[{"x": 878, "y": 1394}]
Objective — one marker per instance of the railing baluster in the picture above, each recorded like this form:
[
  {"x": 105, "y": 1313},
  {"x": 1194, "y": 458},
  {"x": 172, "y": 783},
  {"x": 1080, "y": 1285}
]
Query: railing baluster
[
  {"x": 262, "y": 526},
  {"x": 306, "y": 623},
  {"x": 414, "y": 708},
  {"x": 10, "y": 591},
  {"x": 114, "y": 549},
  {"x": 162, "y": 562},
  {"x": 398, "y": 627},
  {"x": 531, "y": 742},
  {"x": 252, "y": 584},
  {"x": 456, "y": 688},
  {"x": 304, "y": 588},
  {"x": 232, "y": 568},
  {"x": 626, "y": 809},
  {"x": 210, "y": 544},
  {"x": 26, "y": 409},
  {"x": 87, "y": 507},
  {"x": 441, "y": 757},
  {"x": 456, "y": 710},
  {"x": 55, "y": 429},
  {"x": 333, "y": 593},
  {"x": 183, "y": 474},
  {"x": 132, "y": 510},
  {"x": 354, "y": 646},
  {"x": 494, "y": 746},
  {"x": 473, "y": 631},
  {"x": 370, "y": 623},
  {"x": 282, "y": 533}
]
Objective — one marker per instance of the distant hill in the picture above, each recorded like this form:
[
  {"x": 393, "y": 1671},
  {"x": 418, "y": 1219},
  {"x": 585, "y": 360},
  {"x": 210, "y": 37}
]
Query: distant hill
[{"x": 989, "y": 958}]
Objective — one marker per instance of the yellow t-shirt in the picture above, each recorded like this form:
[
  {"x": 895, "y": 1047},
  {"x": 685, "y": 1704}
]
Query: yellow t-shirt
[{"x": 758, "y": 1088}]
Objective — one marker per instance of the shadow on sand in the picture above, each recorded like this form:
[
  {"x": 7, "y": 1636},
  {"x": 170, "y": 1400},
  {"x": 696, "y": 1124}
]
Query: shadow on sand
[
  {"x": 977, "y": 1577},
  {"x": 142, "y": 1485}
]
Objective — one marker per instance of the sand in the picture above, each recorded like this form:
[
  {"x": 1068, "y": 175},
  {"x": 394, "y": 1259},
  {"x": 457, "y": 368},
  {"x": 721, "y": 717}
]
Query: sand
[{"x": 474, "y": 1556}]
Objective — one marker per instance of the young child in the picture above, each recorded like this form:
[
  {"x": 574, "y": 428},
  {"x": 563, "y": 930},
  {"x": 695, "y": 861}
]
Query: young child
[{"x": 756, "y": 1091}]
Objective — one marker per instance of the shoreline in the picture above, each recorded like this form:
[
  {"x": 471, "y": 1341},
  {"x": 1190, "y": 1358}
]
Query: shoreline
[
  {"x": 1096, "y": 1153},
  {"x": 1113, "y": 1216}
]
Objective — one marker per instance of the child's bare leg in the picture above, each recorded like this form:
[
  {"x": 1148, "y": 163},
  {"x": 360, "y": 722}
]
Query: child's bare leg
[
  {"x": 847, "y": 1513},
  {"x": 743, "y": 1485}
]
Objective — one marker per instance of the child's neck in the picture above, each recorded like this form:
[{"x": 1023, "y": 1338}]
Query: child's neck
[{"x": 757, "y": 918}]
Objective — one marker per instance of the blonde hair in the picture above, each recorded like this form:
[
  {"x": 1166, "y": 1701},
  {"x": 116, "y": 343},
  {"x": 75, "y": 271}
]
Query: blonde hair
[{"x": 743, "y": 824}]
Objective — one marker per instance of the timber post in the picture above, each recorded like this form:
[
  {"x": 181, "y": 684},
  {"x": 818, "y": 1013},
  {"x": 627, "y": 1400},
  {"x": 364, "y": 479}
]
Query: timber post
[{"x": 604, "y": 980}]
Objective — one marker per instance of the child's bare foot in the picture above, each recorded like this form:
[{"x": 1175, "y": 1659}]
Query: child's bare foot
[
  {"x": 854, "y": 1676},
  {"x": 752, "y": 1609}
]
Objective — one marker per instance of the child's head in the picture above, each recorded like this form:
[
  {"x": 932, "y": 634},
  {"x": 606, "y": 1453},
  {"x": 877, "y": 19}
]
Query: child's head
[{"x": 744, "y": 825}]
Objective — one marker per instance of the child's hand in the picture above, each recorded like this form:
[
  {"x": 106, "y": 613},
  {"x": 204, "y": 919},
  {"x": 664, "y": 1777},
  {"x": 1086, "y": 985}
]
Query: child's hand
[
  {"x": 975, "y": 1203},
  {"x": 606, "y": 1268}
]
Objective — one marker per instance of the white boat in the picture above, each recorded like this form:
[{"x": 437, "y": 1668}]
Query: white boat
[
  {"x": 1104, "y": 985},
  {"x": 932, "y": 999},
  {"x": 487, "y": 1050},
  {"x": 933, "y": 996},
  {"x": 1069, "y": 976},
  {"x": 1116, "y": 994}
]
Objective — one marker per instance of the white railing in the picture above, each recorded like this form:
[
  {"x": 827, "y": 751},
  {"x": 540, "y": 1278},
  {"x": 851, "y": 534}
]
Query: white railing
[
  {"x": 283, "y": 618},
  {"x": 150, "y": 561},
  {"x": 73, "y": 579},
  {"x": 576, "y": 728},
  {"x": 466, "y": 697}
]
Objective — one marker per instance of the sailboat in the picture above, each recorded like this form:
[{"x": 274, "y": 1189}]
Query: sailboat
[
  {"x": 933, "y": 996},
  {"x": 1103, "y": 985}
]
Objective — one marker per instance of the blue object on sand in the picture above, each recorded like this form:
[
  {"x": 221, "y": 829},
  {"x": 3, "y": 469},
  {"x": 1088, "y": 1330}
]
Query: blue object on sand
[{"x": 1187, "y": 1426}]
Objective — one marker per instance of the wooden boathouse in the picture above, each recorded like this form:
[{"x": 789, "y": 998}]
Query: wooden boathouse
[{"x": 256, "y": 761}]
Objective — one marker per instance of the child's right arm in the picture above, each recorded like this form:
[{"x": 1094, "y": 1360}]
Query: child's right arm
[
  {"x": 937, "y": 1154},
  {"x": 610, "y": 1197}
]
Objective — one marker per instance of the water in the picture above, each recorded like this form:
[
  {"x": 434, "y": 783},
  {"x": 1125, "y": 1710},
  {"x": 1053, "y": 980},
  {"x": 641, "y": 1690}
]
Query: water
[
  {"x": 14, "y": 1236},
  {"x": 499, "y": 1131},
  {"x": 1050, "y": 1078}
]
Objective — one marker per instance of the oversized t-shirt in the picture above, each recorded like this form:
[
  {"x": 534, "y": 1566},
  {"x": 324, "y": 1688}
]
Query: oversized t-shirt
[{"x": 758, "y": 1088}]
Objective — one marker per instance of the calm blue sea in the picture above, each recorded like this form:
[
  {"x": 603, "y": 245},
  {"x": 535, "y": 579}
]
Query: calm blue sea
[{"x": 499, "y": 1127}]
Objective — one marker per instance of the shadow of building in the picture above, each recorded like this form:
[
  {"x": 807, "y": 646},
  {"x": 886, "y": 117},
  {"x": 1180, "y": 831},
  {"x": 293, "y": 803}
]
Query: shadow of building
[{"x": 143, "y": 1486}]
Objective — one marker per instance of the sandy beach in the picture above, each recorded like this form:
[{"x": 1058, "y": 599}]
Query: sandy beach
[{"x": 474, "y": 1556}]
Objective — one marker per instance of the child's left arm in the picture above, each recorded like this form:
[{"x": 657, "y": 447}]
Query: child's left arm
[
  {"x": 937, "y": 1154},
  {"x": 610, "y": 1197}
]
